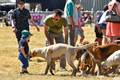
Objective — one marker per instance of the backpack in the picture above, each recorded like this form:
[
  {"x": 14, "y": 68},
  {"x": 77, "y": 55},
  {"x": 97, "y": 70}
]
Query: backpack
[{"x": 118, "y": 8}]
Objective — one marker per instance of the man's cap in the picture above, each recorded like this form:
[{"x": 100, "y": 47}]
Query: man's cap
[{"x": 24, "y": 32}]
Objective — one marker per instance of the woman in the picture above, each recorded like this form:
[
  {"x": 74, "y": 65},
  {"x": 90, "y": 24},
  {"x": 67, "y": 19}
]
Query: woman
[{"x": 113, "y": 29}]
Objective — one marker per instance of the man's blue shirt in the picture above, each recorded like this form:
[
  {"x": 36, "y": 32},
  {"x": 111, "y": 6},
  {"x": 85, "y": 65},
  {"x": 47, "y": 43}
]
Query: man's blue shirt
[{"x": 25, "y": 45}]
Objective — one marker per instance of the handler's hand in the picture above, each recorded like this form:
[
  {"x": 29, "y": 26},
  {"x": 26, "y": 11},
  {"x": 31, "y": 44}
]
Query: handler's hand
[
  {"x": 50, "y": 43},
  {"x": 14, "y": 30},
  {"x": 73, "y": 27},
  {"x": 38, "y": 29}
]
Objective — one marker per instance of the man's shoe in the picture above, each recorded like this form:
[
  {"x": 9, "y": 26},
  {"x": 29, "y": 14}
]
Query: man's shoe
[{"x": 63, "y": 69}]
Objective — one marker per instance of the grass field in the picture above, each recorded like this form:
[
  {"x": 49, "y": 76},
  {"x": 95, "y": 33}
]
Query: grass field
[{"x": 10, "y": 65}]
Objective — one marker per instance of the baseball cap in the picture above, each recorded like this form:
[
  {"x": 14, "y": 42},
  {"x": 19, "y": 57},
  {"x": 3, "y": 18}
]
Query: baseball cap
[
  {"x": 24, "y": 32},
  {"x": 25, "y": 36}
]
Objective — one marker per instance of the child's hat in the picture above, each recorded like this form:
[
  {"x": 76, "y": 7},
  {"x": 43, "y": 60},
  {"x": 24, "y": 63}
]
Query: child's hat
[
  {"x": 26, "y": 32},
  {"x": 25, "y": 36}
]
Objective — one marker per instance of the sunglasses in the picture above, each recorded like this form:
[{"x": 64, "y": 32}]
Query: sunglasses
[
  {"x": 21, "y": 3},
  {"x": 55, "y": 19}
]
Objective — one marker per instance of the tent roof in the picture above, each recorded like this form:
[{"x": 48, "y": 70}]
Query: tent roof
[
  {"x": 8, "y": 1},
  {"x": 34, "y": 1},
  {"x": 13, "y": 0},
  {"x": 50, "y": 4}
]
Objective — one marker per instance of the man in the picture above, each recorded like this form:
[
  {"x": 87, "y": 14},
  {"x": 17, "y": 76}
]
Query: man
[
  {"x": 20, "y": 18},
  {"x": 71, "y": 14},
  {"x": 53, "y": 30}
]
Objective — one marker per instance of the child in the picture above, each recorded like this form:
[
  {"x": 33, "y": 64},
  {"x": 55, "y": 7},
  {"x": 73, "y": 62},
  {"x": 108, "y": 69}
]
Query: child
[
  {"x": 79, "y": 30},
  {"x": 103, "y": 23},
  {"x": 100, "y": 29},
  {"x": 23, "y": 50}
]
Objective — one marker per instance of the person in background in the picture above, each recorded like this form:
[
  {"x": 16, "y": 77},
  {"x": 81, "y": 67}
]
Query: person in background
[
  {"x": 11, "y": 10},
  {"x": 41, "y": 10},
  {"x": 37, "y": 9},
  {"x": 82, "y": 19},
  {"x": 32, "y": 10},
  {"x": 46, "y": 9},
  {"x": 20, "y": 17},
  {"x": 9, "y": 16},
  {"x": 71, "y": 14},
  {"x": 53, "y": 25},
  {"x": 87, "y": 18},
  {"x": 113, "y": 29},
  {"x": 102, "y": 23},
  {"x": 82, "y": 12},
  {"x": 23, "y": 50},
  {"x": 98, "y": 33},
  {"x": 79, "y": 31}
]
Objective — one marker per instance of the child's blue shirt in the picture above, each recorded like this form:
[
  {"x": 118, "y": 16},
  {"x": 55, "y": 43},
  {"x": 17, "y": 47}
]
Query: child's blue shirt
[{"x": 25, "y": 45}]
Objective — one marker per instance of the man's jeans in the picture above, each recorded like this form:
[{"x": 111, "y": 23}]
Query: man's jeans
[
  {"x": 71, "y": 35},
  {"x": 18, "y": 35}
]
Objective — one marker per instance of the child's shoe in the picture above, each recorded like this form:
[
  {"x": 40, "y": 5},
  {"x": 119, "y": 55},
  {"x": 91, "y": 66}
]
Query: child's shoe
[
  {"x": 22, "y": 72},
  {"x": 26, "y": 72}
]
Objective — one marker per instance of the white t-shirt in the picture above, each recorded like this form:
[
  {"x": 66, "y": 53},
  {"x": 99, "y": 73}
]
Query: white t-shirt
[{"x": 103, "y": 18}]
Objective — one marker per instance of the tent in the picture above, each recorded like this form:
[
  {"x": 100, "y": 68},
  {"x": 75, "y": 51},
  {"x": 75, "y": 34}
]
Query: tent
[
  {"x": 4, "y": 0},
  {"x": 13, "y": 0},
  {"x": 50, "y": 4},
  {"x": 8, "y": 1}
]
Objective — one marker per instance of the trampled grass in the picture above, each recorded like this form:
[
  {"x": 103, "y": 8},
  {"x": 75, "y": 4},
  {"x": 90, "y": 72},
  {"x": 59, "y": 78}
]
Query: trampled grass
[{"x": 10, "y": 65}]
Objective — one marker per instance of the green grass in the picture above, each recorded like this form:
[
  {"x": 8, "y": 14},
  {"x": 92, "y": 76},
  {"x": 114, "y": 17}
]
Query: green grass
[{"x": 10, "y": 65}]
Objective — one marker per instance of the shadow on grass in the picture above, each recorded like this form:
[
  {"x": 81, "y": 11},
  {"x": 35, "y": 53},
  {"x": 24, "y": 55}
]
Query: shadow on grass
[
  {"x": 62, "y": 75},
  {"x": 42, "y": 74},
  {"x": 38, "y": 60},
  {"x": 33, "y": 74}
]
